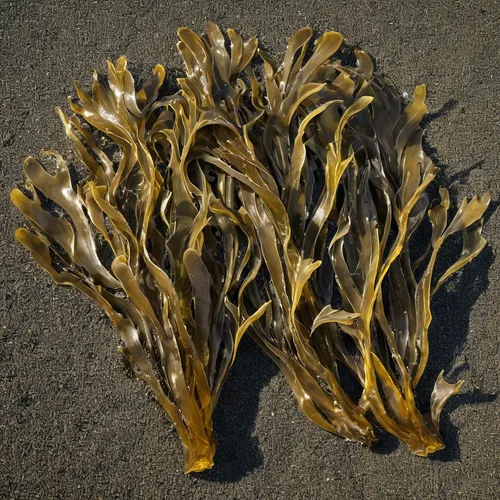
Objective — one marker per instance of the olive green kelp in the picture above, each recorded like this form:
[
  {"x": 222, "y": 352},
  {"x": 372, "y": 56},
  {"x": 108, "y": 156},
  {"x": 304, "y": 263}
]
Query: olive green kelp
[{"x": 284, "y": 208}]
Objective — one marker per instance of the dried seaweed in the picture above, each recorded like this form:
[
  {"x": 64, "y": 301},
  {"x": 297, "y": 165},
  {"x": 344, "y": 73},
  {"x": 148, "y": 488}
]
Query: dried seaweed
[{"x": 285, "y": 209}]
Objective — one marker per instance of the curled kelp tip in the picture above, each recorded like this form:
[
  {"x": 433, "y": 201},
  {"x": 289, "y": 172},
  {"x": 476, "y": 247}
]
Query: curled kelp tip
[
  {"x": 285, "y": 209},
  {"x": 442, "y": 391}
]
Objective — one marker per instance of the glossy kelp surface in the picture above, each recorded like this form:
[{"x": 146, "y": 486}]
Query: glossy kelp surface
[
  {"x": 285, "y": 206},
  {"x": 152, "y": 209}
]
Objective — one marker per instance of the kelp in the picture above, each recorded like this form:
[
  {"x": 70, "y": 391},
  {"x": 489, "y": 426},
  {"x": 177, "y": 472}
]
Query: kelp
[
  {"x": 288, "y": 208},
  {"x": 329, "y": 167},
  {"x": 155, "y": 213}
]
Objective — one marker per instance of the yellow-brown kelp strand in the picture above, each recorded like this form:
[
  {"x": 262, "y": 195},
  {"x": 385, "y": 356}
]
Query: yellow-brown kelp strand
[
  {"x": 287, "y": 207},
  {"x": 329, "y": 168},
  {"x": 151, "y": 208}
]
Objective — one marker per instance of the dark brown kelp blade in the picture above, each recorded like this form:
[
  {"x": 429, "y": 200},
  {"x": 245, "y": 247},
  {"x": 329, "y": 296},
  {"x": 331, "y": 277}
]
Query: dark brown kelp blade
[
  {"x": 287, "y": 208},
  {"x": 329, "y": 168}
]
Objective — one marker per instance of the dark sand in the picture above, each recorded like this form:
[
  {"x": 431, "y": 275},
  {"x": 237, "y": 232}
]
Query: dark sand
[{"x": 72, "y": 424}]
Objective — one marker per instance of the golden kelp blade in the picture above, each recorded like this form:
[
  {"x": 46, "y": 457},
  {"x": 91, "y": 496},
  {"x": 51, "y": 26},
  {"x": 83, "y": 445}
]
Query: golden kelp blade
[
  {"x": 157, "y": 225},
  {"x": 286, "y": 208}
]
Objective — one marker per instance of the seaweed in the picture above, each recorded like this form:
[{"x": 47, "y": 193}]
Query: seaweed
[
  {"x": 164, "y": 290},
  {"x": 287, "y": 209}
]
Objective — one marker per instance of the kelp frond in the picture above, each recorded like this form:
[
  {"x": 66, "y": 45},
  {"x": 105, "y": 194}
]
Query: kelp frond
[
  {"x": 287, "y": 208},
  {"x": 155, "y": 213}
]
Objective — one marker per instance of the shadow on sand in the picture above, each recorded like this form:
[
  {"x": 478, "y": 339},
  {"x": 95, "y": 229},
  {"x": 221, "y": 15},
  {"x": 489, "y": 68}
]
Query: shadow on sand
[{"x": 238, "y": 450}]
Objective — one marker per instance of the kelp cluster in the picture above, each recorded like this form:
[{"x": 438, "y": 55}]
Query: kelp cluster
[{"x": 279, "y": 200}]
